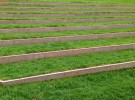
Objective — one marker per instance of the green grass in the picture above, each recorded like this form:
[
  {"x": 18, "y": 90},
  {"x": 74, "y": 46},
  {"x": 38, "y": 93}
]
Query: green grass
[
  {"x": 68, "y": 12},
  {"x": 114, "y": 1},
  {"x": 87, "y": 4},
  {"x": 73, "y": 7},
  {"x": 66, "y": 8},
  {"x": 59, "y": 2},
  {"x": 13, "y": 50},
  {"x": 22, "y": 69},
  {"x": 98, "y": 1},
  {"x": 60, "y": 17},
  {"x": 112, "y": 85},
  {"x": 65, "y": 33},
  {"x": 11, "y": 26},
  {"x": 43, "y": 10}
]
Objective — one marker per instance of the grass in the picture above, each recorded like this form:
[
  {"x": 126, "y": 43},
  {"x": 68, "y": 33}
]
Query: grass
[
  {"x": 65, "y": 33},
  {"x": 112, "y": 85},
  {"x": 11, "y": 26},
  {"x": 107, "y": 1},
  {"x": 22, "y": 69},
  {"x": 34, "y": 48},
  {"x": 66, "y": 4},
  {"x": 68, "y": 12},
  {"x": 73, "y": 7},
  {"x": 57, "y": 3},
  {"x": 127, "y": 7},
  {"x": 60, "y": 17},
  {"x": 65, "y": 11},
  {"x": 98, "y": 1}
]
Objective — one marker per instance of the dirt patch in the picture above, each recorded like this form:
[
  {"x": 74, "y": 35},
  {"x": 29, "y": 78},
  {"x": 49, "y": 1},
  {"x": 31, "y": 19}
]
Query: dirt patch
[{"x": 2, "y": 2}]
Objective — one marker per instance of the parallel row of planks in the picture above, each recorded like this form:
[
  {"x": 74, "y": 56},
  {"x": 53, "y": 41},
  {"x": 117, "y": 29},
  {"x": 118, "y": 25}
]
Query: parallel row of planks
[{"x": 49, "y": 6}]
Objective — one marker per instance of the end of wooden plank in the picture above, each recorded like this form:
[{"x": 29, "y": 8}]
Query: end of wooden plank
[{"x": 1, "y": 83}]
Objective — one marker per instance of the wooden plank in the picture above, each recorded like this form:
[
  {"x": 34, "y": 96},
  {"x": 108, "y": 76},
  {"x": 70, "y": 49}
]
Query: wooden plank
[
  {"x": 69, "y": 73},
  {"x": 61, "y": 53}
]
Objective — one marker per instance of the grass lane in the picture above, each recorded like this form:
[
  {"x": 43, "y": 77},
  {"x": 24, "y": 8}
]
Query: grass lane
[
  {"x": 66, "y": 33},
  {"x": 11, "y": 26},
  {"x": 68, "y": 12},
  {"x": 81, "y": 1},
  {"x": 63, "y": 15},
  {"x": 59, "y": 3},
  {"x": 22, "y": 69},
  {"x": 69, "y": 17},
  {"x": 11, "y": 8},
  {"x": 34, "y": 48},
  {"x": 73, "y": 7},
  {"x": 69, "y": 5},
  {"x": 112, "y": 85},
  {"x": 105, "y": 1}
]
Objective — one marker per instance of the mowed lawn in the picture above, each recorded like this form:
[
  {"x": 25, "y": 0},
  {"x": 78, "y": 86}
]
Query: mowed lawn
[
  {"x": 55, "y": 46},
  {"x": 45, "y": 66},
  {"x": 65, "y": 33},
  {"x": 11, "y": 26},
  {"x": 112, "y": 85},
  {"x": 102, "y": 1}
]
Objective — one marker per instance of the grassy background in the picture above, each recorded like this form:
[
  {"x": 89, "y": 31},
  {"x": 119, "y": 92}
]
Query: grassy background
[
  {"x": 113, "y": 85},
  {"x": 35, "y": 48},
  {"x": 11, "y": 26},
  {"x": 42, "y": 66},
  {"x": 65, "y": 33},
  {"x": 113, "y": 1}
]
